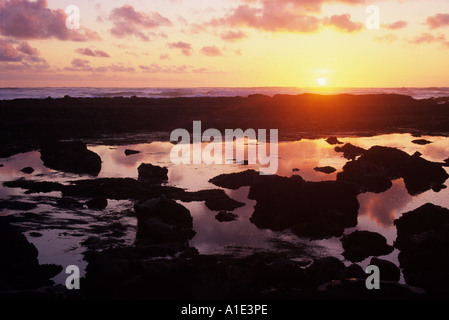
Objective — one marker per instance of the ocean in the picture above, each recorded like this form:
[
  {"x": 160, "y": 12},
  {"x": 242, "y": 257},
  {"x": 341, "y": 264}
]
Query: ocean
[{"x": 88, "y": 92}]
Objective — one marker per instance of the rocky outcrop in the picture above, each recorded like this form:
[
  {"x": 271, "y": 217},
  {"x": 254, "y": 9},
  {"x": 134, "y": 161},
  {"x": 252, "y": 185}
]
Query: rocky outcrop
[
  {"x": 235, "y": 180},
  {"x": 326, "y": 169},
  {"x": 333, "y": 140},
  {"x": 70, "y": 156},
  {"x": 350, "y": 151},
  {"x": 360, "y": 245},
  {"x": 152, "y": 174},
  {"x": 423, "y": 241}
]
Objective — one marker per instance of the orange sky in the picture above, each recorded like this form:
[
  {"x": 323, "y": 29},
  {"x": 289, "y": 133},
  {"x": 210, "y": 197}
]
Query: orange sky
[{"x": 193, "y": 43}]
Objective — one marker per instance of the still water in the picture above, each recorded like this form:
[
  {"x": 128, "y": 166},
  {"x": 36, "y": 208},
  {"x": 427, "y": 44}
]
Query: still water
[{"x": 60, "y": 234}]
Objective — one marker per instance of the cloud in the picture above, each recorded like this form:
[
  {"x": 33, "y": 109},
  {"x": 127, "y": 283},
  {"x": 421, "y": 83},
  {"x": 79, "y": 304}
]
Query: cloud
[
  {"x": 80, "y": 64},
  {"x": 128, "y": 22},
  {"x": 396, "y": 25},
  {"x": 8, "y": 52},
  {"x": 23, "y": 53},
  {"x": 343, "y": 23},
  {"x": 388, "y": 38},
  {"x": 22, "y": 19},
  {"x": 84, "y": 65},
  {"x": 186, "y": 48},
  {"x": 211, "y": 51},
  {"x": 92, "y": 53},
  {"x": 437, "y": 21},
  {"x": 430, "y": 38},
  {"x": 164, "y": 57},
  {"x": 155, "y": 68},
  {"x": 233, "y": 35}
]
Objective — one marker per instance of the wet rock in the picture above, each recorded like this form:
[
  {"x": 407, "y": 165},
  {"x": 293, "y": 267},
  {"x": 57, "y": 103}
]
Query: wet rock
[
  {"x": 17, "y": 205},
  {"x": 35, "y": 234},
  {"x": 27, "y": 170},
  {"x": 350, "y": 151},
  {"x": 295, "y": 170},
  {"x": 1, "y": 165},
  {"x": 19, "y": 266},
  {"x": 163, "y": 220},
  {"x": 423, "y": 241},
  {"x": 34, "y": 186},
  {"x": 152, "y": 174},
  {"x": 375, "y": 169},
  {"x": 360, "y": 245},
  {"x": 129, "y": 152},
  {"x": 70, "y": 156},
  {"x": 292, "y": 203},
  {"x": 68, "y": 203},
  {"x": 98, "y": 203},
  {"x": 224, "y": 216},
  {"x": 235, "y": 180},
  {"x": 326, "y": 170},
  {"x": 215, "y": 199},
  {"x": 388, "y": 270},
  {"x": 333, "y": 140},
  {"x": 421, "y": 141}
]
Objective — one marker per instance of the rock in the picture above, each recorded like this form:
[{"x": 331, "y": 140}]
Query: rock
[
  {"x": 27, "y": 170},
  {"x": 360, "y": 245},
  {"x": 375, "y": 169},
  {"x": 388, "y": 270},
  {"x": 68, "y": 203},
  {"x": 423, "y": 241},
  {"x": 35, "y": 234},
  {"x": 326, "y": 170},
  {"x": 98, "y": 203},
  {"x": 70, "y": 156},
  {"x": 163, "y": 220},
  {"x": 295, "y": 170},
  {"x": 17, "y": 205},
  {"x": 292, "y": 203},
  {"x": 129, "y": 152},
  {"x": 421, "y": 141},
  {"x": 235, "y": 180},
  {"x": 224, "y": 216},
  {"x": 152, "y": 174},
  {"x": 19, "y": 266},
  {"x": 350, "y": 151},
  {"x": 1, "y": 165},
  {"x": 333, "y": 140}
]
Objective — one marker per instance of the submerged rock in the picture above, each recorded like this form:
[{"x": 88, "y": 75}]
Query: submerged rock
[
  {"x": 17, "y": 205},
  {"x": 333, "y": 140},
  {"x": 235, "y": 180},
  {"x": 27, "y": 170},
  {"x": 224, "y": 216},
  {"x": 70, "y": 156},
  {"x": 375, "y": 169},
  {"x": 152, "y": 174},
  {"x": 163, "y": 220},
  {"x": 326, "y": 170},
  {"x": 423, "y": 241},
  {"x": 98, "y": 203},
  {"x": 315, "y": 209},
  {"x": 421, "y": 141},
  {"x": 360, "y": 245},
  {"x": 129, "y": 152},
  {"x": 350, "y": 151}
]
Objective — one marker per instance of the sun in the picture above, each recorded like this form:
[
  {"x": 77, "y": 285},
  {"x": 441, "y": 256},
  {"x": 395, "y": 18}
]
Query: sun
[{"x": 322, "y": 81}]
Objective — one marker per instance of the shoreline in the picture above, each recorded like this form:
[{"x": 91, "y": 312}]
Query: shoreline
[{"x": 25, "y": 123}]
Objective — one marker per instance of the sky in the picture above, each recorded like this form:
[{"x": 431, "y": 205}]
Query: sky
[{"x": 224, "y": 43}]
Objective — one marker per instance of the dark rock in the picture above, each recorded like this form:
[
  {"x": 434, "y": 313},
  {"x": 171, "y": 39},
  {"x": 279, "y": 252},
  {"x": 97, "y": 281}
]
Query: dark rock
[
  {"x": 98, "y": 203},
  {"x": 326, "y": 170},
  {"x": 235, "y": 180},
  {"x": 388, "y": 270},
  {"x": 152, "y": 174},
  {"x": 17, "y": 205},
  {"x": 70, "y": 156},
  {"x": 68, "y": 203},
  {"x": 19, "y": 266},
  {"x": 224, "y": 216},
  {"x": 163, "y": 220},
  {"x": 295, "y": 170},
  {"x": 35, "y": 234},
  {"x": 446, "y": 160},
  {"x": 350, "y": 151},
  {"x": 423, "y": 241},
  {"x": 129, "y": 152},
  {"x": 421, "y": 141},
  {"x": 292, "y": 203},
  {"x": 34, "y": 186},
  {"x": 375, "y": 169},
  {"x": 333, "y": 140},
  {"x": 1, "y": 165},
  {"x": 27, "y": 170},
  {"x": 360, "y": 245}
]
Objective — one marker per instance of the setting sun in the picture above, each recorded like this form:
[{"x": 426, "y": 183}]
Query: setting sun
[{"x": 322, "y": 81}]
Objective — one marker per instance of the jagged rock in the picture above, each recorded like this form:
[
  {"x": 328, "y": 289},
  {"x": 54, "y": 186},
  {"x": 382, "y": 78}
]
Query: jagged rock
[
  {"x": 333, "y": 140},
  {"x": 360, "y": 245},
  {"x": 27, "y": 170},
  {"x": 152, "y": 174},
  {"x": 70, "y": 156},
  {"x": 350, "y": 151},
  {"x": 423, "y": 241},
  {"x": 224, "y": 216},
  {"x": 326, "y": 170}
]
